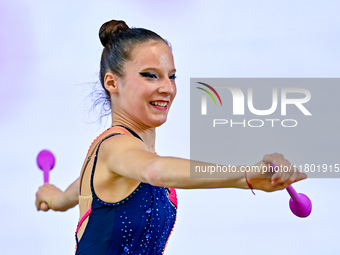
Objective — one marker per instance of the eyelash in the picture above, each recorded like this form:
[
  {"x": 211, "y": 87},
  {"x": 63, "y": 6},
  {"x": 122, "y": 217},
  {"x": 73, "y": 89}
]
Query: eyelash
[
  {"x": 173, "y": 77},
  {"x": 153, "y": 76},
  {"x": 148, "y": 75}
]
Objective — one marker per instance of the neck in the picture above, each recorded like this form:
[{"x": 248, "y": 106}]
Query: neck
[{"x": 148, "y": 134}]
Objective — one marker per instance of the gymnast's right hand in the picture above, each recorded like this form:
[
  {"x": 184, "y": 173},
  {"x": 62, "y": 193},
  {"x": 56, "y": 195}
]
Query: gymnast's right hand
[{"x": 47, "y": 197}]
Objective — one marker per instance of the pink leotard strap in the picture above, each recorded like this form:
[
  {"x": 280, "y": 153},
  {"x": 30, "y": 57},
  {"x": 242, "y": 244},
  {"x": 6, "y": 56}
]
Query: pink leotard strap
[{"x": 83, "y": 218}]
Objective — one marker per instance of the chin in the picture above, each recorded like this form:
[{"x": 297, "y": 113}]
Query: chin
[{"x": 158, "y": 122}]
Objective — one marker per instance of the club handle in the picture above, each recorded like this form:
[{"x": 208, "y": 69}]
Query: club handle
[
  {"x": 293, "y": 194},
  {"x": 46, "y": 175}
]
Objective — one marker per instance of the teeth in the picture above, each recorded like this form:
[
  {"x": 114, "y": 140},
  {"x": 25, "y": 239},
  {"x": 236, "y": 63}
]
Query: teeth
[{"x": 161, "y": 104}]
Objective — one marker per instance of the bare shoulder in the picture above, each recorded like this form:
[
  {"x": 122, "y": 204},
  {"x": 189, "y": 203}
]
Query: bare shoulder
[{"x": 126, "y": 156}]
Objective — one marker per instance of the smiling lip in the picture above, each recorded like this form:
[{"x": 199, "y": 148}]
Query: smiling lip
[{"x": 160, "y": 104}]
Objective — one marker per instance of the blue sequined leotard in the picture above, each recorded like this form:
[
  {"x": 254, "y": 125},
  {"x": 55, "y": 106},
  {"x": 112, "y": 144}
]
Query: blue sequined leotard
[{"x": 139, "y": 224}]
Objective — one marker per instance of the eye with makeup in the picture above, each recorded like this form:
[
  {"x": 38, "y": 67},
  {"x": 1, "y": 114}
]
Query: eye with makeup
[
  {"x": 172, "y": 77},
  {"x": 148, "y": 75}
]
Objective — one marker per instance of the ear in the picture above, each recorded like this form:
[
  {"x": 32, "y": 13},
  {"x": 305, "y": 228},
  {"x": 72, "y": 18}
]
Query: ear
[{"x": 111, "y": 82}]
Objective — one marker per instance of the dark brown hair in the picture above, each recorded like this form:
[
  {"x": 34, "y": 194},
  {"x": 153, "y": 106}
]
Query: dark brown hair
[{"x": 118, "y": 41}]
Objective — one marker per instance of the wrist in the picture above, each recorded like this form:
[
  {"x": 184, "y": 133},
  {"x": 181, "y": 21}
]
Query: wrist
[
  {"x": 247, "y": 182},
  {"x": 58, "y": 201}
]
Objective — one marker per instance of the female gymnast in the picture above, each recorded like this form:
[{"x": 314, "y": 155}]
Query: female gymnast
[{"x": 126, "y": 192}]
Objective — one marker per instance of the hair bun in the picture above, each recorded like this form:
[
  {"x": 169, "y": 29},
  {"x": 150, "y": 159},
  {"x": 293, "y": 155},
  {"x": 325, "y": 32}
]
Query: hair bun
[{"x": 110, "y": 29}]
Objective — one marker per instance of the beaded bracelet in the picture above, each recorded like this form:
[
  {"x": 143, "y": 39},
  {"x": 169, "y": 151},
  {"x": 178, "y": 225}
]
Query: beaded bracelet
[{"x": 249, "y": 185}]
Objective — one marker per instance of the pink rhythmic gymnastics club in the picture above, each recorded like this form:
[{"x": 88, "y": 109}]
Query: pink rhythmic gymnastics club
[
  {"x": 299, "y": 203},
  {"x": 46, "y": 162}
]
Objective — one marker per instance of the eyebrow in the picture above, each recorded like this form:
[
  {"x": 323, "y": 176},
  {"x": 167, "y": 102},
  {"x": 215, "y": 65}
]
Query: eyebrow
[{"x": 156, "y": 69}]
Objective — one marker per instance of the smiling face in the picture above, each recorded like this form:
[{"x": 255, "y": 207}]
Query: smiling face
[{"x": 145, "y": 92}]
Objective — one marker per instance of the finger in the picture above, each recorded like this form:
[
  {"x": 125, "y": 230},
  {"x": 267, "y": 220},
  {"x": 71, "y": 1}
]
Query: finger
[
  {"x": 37, "y": 205},
  {"x": 277, "y": 182},
  {"x": 283, "y": 172},
  {"x": 37, "y": 201},
  {"x": 284, "y": 178},
  {"x": 286, "y": 175},
  {"x": 283, "y": 185},
  {"x": 293, "y": 176},
  {"x": 277, "y": 177},
  {"x": 280, "y": 178},
  {"x": 267, "y": 159},
  {"x": 301, "y": 177},
  {"x": 288, "y": 183},
  {"x": 278, "y": 186},
  {"x": 44, "y": 207}
]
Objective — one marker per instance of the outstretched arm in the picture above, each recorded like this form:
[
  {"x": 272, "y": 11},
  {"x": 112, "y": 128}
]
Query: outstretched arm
[
  {"x": 50, "y": 197},
  {"x": 118, "y": 152}
]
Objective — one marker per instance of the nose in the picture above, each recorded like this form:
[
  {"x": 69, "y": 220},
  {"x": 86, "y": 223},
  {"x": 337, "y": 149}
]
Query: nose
[{"x": 167, "y": 86}]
